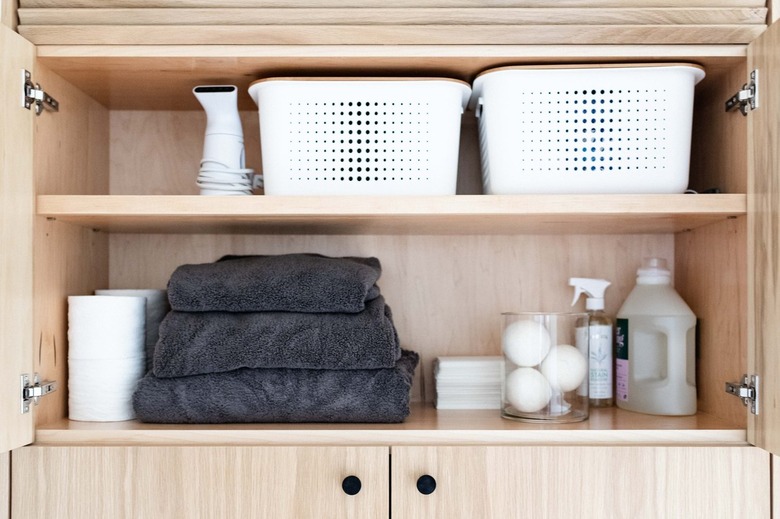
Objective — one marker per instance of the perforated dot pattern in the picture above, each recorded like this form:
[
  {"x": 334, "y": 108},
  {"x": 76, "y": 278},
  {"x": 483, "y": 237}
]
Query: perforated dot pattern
[
  {"x": 360, "y": 140},
  {"x": 595, "y": 129},
  {"x": 360, "y": 137},
  {"x": 587, "y": 130}
]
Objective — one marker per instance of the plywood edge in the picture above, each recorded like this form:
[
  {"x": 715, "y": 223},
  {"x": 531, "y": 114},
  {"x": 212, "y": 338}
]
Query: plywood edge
[
  {"x": 392, "y": 15},
  {"x": 192, "y": 206},
  {"x": 120, "y": 57},
  {"x": 361, "y": 4},
  {"x": 462, "y": 214},
  {"x": 425, "y": 426},
  {"x": 390, "y": 34}
]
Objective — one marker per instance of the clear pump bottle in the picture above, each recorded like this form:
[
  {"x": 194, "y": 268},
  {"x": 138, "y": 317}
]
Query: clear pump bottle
[{"x": 596, "y": 336}]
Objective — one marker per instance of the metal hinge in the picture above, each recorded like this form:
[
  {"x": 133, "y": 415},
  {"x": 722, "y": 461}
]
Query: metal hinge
[
  {"x": 747, "y": 97},
  {"x": 33, "y": 95},
  {"x": 747, "y": 391},
  {"x": 32, "y": 392}
]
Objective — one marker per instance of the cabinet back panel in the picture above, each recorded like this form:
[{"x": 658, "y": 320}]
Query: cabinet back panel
[
  {"x": 446, "y": 292},
  {"x": 158, "y": 153}
]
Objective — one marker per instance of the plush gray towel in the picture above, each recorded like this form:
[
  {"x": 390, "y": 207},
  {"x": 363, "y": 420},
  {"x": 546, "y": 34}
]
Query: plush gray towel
[
  {"x": 279, "y": 395},
  {"x": 284, "y": 283},
  {"x": 211, "y": 342}
]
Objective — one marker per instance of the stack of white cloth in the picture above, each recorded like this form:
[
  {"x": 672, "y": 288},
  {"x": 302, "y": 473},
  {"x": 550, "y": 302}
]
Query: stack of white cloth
[{"x": 468, "y": 382}]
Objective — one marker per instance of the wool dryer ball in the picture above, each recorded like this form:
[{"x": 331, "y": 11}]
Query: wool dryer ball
[
  {"x": 525, "y": 343},
  {"x": 565, "y": 368},
  {"x": 527, "y": 390}
]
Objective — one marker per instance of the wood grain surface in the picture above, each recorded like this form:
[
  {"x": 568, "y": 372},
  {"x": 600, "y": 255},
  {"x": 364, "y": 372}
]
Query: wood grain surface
[{"x": 763, "y": 235}]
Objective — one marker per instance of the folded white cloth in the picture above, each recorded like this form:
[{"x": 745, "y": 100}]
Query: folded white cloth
[{"x": 468, "y": 382}]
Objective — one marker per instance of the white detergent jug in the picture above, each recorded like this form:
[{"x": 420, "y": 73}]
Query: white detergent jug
[{"x": 655, "y": 337}]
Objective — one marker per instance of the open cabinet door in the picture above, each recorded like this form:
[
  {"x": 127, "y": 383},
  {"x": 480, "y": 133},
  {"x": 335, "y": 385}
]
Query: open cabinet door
[
  {"x": 16, "y": 240},
  {"x": 764, "y": 241}
]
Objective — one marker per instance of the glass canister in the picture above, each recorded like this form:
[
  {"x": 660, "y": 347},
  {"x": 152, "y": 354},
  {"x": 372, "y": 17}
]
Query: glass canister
[{"x": 545, "y": 367}]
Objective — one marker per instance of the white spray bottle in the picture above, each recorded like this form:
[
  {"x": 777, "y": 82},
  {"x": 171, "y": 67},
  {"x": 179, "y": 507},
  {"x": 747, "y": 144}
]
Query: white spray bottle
[
  {"x": 597, "y": 336},
  {"x": 223, "y": 145}
]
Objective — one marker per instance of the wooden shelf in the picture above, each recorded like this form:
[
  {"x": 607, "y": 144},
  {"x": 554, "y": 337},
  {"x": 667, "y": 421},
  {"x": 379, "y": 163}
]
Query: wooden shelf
[
  {"x": 462, "y": 214},
  {"x": 424, "y": 426}
]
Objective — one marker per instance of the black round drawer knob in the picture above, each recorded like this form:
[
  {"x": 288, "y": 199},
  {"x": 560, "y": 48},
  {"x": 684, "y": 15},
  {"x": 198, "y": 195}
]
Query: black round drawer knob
[
  {"x": 426, "y": 484},
  {"x": 351, "y": 485}
]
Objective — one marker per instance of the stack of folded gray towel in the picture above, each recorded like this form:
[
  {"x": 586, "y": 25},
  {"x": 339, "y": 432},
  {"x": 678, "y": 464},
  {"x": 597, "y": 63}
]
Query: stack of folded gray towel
[{"x": 288, "y": 338}]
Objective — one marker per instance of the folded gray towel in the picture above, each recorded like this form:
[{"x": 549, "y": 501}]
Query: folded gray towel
[
  {"x": 279, "y": 395},
  {"x": 211, "y": 342},
  {"x": 284, "y": 283}
]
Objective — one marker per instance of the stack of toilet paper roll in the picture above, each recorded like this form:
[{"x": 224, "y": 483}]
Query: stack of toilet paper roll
[{"x": 109, "y": 335}]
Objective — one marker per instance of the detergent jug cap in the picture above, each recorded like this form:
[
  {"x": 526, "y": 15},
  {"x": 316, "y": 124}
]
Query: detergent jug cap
[{"x": 653, "y": 271}]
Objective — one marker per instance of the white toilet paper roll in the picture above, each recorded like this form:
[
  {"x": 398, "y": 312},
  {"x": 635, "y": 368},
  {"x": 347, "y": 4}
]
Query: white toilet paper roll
[
  {"x": 106, "y": 327},
  {"x": 105, "y": 356},
  {"x": 101, "y": 390},
  {"x": 156, "y": 309}
]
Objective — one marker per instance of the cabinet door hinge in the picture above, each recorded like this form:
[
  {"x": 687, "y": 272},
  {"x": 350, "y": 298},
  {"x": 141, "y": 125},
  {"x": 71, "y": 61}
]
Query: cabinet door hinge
[
  {"x": 747, "y": 97},
  {"x": 33, "y": 391},
  {"x": 747, "y": 390},
  {"x": 34, "y": 95}
]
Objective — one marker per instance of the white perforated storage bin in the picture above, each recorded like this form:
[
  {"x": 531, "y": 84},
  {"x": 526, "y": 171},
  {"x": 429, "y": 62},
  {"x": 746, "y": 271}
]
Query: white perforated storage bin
[
  {"x": 360, "y": 136},
  {"x": 591, "y": 129}
]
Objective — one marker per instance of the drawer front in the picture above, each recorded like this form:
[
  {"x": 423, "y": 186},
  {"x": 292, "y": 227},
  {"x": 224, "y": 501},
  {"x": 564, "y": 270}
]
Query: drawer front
[
  {"x": 170, "y": 482},
  {"x": 598, "y": 482}
]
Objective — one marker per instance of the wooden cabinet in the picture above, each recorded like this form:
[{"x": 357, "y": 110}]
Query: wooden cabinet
[
  {"x": 579, "y": 481},
  {"x": 136, "y": 482},
  {"x": 101, "y": 194},
  {"x": 474, "y": 481}
]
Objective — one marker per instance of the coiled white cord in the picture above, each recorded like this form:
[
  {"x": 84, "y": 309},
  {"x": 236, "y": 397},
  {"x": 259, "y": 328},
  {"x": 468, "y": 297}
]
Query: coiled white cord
[{"x": 215, "y": 178}]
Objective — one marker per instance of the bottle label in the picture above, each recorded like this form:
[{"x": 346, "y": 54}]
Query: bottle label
[
  {"x": 600, "y": 377},
  {"x": 621, "y": 359},
  {"x": 581, "y": 339}
]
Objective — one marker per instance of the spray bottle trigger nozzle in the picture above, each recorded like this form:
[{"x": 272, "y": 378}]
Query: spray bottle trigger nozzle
[
  {"x": 577, "y": 293},
  {"x": 592, "y": 288}
]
